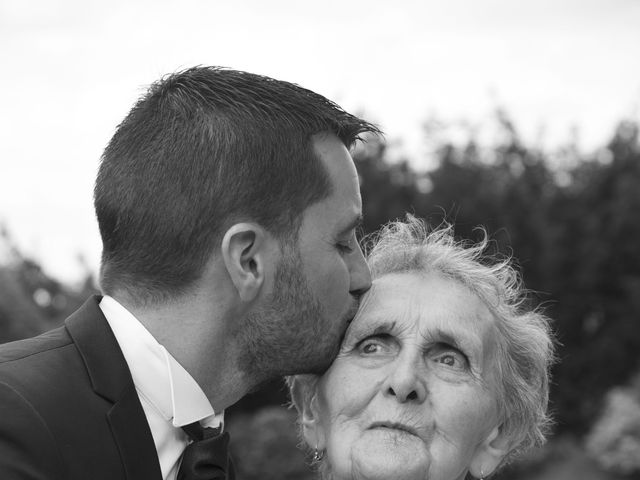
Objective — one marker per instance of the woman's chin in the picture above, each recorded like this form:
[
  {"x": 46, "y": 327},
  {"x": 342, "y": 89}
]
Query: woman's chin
[{"x": 390, "y": 454}]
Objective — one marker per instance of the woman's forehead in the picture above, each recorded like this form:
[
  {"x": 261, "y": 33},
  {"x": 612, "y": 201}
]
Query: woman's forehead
[{"x": 429, "y": 303}]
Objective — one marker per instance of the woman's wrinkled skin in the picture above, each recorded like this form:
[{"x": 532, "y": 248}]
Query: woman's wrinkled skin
[{"x": 410, "y": 395}]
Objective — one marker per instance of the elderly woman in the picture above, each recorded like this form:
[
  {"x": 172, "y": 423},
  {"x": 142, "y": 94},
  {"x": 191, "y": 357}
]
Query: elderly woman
[{"x": 442, "y": 375}]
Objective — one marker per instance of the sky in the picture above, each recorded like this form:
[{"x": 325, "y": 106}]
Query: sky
[{"x": 71, "y": 70}]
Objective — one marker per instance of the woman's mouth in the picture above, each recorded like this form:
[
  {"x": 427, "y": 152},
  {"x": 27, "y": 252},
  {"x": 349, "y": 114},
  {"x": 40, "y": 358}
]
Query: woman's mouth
[{"x": 394, "y": 426}]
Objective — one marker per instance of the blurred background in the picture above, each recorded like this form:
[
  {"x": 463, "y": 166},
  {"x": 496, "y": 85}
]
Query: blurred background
[{"x": 519, "y": 116}]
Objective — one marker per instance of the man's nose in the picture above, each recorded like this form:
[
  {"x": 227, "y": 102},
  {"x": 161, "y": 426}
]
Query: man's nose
[
  {"x": 360, "y": 274},
  {"x": 407, "y": 380}
]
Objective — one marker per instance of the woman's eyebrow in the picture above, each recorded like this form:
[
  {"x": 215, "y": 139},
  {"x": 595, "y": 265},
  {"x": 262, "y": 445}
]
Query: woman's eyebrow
[
  {"x": 458, "y": 339},
  {"x": 374, "y": 328}
]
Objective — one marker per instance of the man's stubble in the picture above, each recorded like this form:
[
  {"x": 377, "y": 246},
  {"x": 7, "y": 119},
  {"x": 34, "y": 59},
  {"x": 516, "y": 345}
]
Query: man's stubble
[{"x": 290, "y": 334}]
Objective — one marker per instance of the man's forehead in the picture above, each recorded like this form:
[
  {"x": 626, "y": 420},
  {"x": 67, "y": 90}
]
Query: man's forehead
[
  {"x": 335, "y": 156},
  {"x": 343, "y": 207}
]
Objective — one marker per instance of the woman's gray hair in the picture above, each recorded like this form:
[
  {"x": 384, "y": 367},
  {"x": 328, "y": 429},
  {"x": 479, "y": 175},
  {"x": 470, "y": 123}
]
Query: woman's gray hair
[{"x": 525, "y": 351}]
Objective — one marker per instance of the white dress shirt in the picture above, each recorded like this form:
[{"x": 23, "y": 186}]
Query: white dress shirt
[{"x": 170, "y": 397}]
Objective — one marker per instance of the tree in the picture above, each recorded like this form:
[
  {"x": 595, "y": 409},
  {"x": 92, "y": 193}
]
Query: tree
[{"x": 577, "y": 242}]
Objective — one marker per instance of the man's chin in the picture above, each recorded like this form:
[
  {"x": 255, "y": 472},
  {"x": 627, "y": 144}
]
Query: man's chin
[
  {"x": 265, "y": 383},
  {"x": 320, "y": 362},
  {"x": 318, "y": 367}
]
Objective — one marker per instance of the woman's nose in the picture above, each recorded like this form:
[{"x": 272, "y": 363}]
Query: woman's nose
[{"x": 406, "y": 382}]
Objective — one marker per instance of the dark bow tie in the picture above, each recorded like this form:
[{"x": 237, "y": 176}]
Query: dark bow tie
[{"x": 207, "y": 457}]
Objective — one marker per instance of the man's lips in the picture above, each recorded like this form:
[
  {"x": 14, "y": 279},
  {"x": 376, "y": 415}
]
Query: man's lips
[{"x": 394, "y": 426}]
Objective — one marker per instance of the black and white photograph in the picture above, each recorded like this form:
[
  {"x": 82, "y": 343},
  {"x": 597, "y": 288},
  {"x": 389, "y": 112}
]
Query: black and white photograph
[{"x": 357, "y": 240}]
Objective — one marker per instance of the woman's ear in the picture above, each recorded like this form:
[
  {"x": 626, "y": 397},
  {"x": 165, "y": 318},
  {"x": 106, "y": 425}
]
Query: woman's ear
[
  {"x": 245, "y": 251},
  {"x": 305, "y": 398},
  {"x": 490, "y": 453}
]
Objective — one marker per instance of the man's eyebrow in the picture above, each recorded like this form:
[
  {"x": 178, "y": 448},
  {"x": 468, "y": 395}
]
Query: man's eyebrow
[{"x": 353, "y": 224}]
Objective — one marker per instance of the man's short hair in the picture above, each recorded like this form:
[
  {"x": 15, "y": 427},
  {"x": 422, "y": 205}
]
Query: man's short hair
[{"x": 203, "y": 149}]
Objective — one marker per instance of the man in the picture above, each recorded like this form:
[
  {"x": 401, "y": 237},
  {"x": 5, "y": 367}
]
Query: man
[{"x": 227, "y": 204}]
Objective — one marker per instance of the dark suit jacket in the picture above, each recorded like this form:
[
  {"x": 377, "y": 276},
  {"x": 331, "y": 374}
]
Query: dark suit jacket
[{"x": 69, "y": 409}]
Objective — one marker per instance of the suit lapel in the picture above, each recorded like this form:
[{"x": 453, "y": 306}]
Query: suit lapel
[
  {"x": 132, "y": 435},
  {"x": 110, "y": 378}
]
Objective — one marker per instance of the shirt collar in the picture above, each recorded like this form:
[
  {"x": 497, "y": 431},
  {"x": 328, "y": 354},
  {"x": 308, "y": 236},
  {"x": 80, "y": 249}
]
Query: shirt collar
[{"x": 156, "y": 374}]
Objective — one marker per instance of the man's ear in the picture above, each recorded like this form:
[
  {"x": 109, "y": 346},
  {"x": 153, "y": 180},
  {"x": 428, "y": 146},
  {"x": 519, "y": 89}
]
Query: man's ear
[
  {"x": 490, "y": 453},
  {"x": 245, "y": 252},
  {"x": 305, "y": 399}
]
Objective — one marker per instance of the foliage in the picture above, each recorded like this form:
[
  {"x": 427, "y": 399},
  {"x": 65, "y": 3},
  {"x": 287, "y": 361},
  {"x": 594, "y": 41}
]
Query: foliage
[
  {"x": 577, "y": 241},
  {"x": 265, "y": 446},
  {"x": 614, "y": 440},
  {"x": 31, "y": 301}
]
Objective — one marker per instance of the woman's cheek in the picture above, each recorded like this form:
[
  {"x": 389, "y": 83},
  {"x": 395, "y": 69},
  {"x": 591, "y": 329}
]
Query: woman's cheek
[
  {"x": 470, "y": 411},
  {"x": 340, "y": 442},
  {"x": 345, "y": 415},
  {"x": 464, "y": 418},
  {"x": 344, "y": 410},
  {"x": 348, "y": 388}
]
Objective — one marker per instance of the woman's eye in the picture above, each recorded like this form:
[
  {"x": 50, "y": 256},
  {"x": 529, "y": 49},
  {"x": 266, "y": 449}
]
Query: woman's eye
[
  {"x": 370, "y": 348},
  {"x": 374, "y": 345},
  {"x": 452, "y": 359}
]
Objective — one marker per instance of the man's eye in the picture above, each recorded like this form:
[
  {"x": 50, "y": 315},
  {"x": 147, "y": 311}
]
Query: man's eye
[{"x": 344, "y": 247}]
